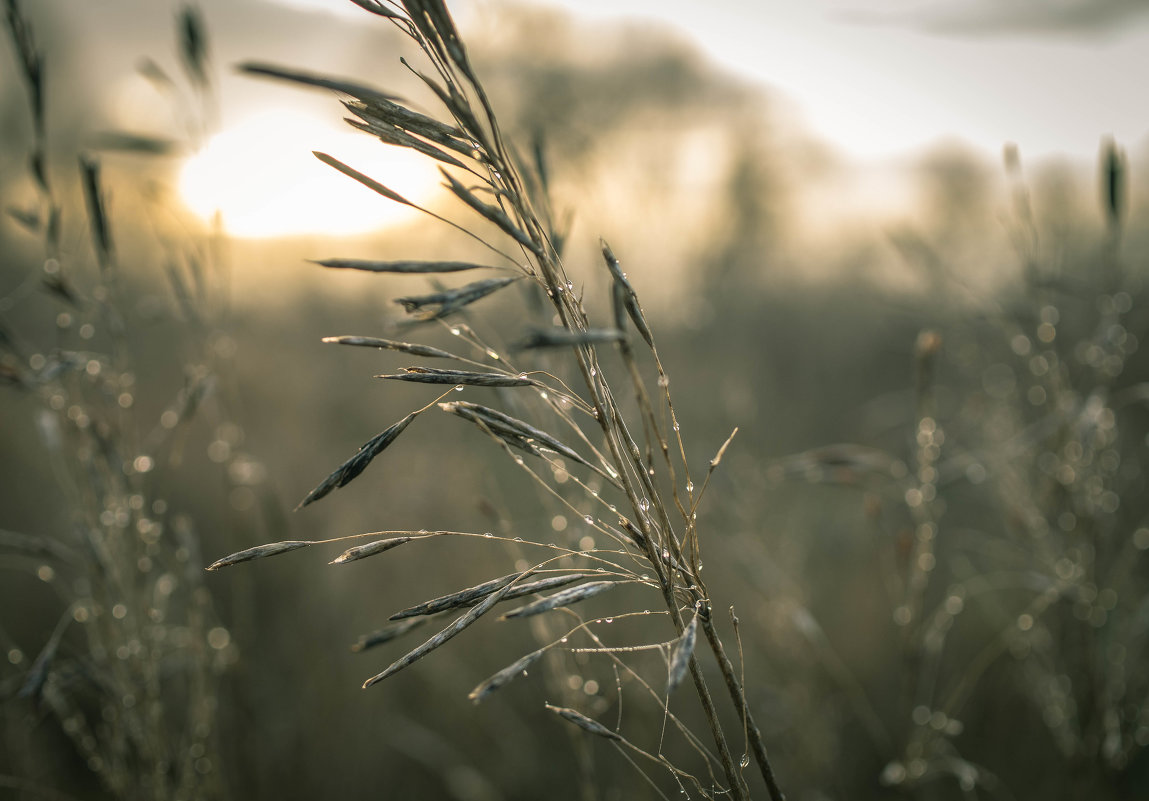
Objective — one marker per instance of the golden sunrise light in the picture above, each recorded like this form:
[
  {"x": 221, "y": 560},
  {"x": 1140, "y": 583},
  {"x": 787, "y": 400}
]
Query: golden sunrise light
[{"x": 261, "y": 177}]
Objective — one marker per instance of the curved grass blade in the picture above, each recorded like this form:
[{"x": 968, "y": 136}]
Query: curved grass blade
[
  {"x": 350, "y": 469},
  {"x": 370, "y": 549},
  {"x": 405, "y": 267},
  {"x": 462, "y": 622},
  {"x": 428, "y": 375},
  {"x": 583, "y": 722},
  {"x": 680, "y": 658},
  {"x": 258, "y": 552},
  {"x": 563, "y": 598},
  {"x": 505, "y": 676}
]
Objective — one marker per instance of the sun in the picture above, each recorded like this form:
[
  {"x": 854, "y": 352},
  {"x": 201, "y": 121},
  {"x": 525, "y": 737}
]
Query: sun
[{"x": 261, "y": 177}]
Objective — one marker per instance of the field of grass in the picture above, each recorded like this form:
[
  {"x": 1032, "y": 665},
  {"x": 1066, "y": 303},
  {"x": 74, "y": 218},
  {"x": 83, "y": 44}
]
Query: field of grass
[{"x": 803, "y": 524}]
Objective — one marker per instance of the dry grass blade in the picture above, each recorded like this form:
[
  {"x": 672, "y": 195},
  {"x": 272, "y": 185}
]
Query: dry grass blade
[
  {"x": 258, "y": 552},
  {"x": 387, "y": 633},
  {"x": 456, "y": 599},
  {"x": 563, "y": 337},
  {"x": 511, "y": 430},
  {"x": 370, "y": 549},
  {"x": 462, "y": 622},
  {"x": 347, "y": 471},
  {"x": 583, "y": 722},
  {"x": 505, "y": 676},
  {"x": 420, "y": 267},
  {"x": 451, "y": 300},
  {"x": 563, "y": 598},
  {"x": 680, "y": 658},
  {"x": 391, "y": 344},
  {"x": 428, "y": 375}
]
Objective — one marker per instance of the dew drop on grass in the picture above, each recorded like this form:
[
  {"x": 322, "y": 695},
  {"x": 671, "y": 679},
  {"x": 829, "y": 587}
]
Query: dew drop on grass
[
  {"x": 589, "y": 520},
  {"x": 745, "y": 761},
  {"x": 455, "y": 331},
  {"x": 491, "y": 354},
  {"x": 459, "y": 388},
  {"x": 689, "y": 486}
]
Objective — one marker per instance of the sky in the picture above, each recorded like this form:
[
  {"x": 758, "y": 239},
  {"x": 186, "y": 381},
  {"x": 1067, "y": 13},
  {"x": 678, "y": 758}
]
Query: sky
[
  {"x": 878, "y": 81},
  {"x": 880, "y": 78}
]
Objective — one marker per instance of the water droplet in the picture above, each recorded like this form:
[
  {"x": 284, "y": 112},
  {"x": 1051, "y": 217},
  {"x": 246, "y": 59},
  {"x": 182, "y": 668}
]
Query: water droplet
[
  {"x": 608, "y": 619},
  {"x": 745, "y": 761},
  {"x": 455, "y": 331},
  {"x": 492, "y": 355},
  {"x": 570, "y": 286},
  {"x": 593, "y": 372},
  {"x": 589, "y": 520},
  {"x": 564, "y": 639},
  {"x": 518, "y": 539},
  {"x": 650, "y": 470},
  {"x": 518, "y": 459},
  {"x": 543, "y": 395},
  {"x": 459, "y": 388},
  {"x": 644, "y": 504},
  {"x": 675, "y": 426},
  {"x": 665, "y": 553},
  {"x": 664, "y": 381},
  {"x": 689, "y": 485},
  {"x": 488, "y": 534}
]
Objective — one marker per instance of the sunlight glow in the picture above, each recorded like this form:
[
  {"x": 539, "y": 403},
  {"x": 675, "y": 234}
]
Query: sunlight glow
[{"x": 261, "y": 176}]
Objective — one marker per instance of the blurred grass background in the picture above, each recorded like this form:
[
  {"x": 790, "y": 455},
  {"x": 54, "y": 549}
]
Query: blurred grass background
[{"x": 788, "y": 300}]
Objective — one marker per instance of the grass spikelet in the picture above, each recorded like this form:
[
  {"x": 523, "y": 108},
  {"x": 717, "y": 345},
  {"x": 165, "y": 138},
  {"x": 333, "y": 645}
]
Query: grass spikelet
[
  {"x": 387, "y": 633},
  {"x": 462, "y": 622},
  {"x": 390, "y": 344},
  {"x": 505, "y": 676},
  {"x": 406, "y": 267},
  {"x": 193, "y": 45},
  {"x": 562, "y": 598},
  {"x": 563, "y": 337},
  {"x": 492, "y": 213},
  {"x": 258, "y": 552},
  {"x": 347, "y": 471},
  {"x": 583, "y": 722},
  {"x": 451, "y": 300},
  {"x": 370, "y": 549},
  {"x": 456, "y": 599},
  {"x": 368, "y": 182},
  {"x": 428, "y": 375},
  {"x": 97, "y": 209},
  {"x": 625, "y": 298},
  {"x": 680, "y": 658},
  {"x": 511, "y": 430}
]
